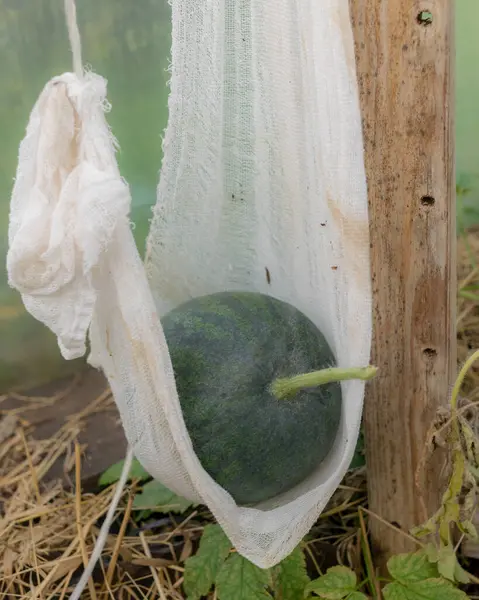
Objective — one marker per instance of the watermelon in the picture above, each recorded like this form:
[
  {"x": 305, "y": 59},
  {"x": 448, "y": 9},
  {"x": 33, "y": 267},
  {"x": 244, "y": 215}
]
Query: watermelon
[{"x": 226, "y": 350}]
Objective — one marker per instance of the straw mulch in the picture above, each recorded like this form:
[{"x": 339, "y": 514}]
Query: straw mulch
[
  {"x": 468, "y": 309},
  {"x": 48, "y": 530}
]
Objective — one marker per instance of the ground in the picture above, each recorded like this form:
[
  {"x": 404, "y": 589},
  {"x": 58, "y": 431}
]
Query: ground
[{"x": 69, "y": 432}]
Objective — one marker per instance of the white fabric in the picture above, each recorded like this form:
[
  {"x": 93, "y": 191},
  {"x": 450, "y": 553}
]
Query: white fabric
[
  {"x": 67, "y": 199},
  {"x": 263, "y": 168}
]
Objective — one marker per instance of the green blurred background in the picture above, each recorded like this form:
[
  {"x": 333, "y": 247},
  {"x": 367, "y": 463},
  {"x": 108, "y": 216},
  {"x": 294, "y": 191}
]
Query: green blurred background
[
  {"x": 467, "y": 111},
  {"x": 128, "y": 42}
]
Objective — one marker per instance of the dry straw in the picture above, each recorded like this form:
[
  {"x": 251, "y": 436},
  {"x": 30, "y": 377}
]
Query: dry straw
[{"x": 47, "y": 532}]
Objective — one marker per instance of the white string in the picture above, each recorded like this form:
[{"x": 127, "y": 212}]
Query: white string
[
  {"x": 75, "y": 44},
  {"x": 74, "y": 35},
  {"x": 105, "y": 528}
]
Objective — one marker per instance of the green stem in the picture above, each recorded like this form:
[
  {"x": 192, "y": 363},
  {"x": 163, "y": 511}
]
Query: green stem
[
  {"x": 286, "y": 387},
  {"x": 460, "y": 379}
]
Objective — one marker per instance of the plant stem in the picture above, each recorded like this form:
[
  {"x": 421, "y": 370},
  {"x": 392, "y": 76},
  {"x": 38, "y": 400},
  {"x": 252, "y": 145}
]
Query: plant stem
[
  {"x": 460, "y": 379},
  {"x": 286, "y": 387},
  {"x": 451, "y": 495}
]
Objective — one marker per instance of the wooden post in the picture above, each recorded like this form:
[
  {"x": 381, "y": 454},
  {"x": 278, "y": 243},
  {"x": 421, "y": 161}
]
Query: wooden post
[{"x": 405, "y": 57}]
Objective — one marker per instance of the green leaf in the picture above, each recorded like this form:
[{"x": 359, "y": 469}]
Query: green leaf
[
  {"x": 290, "y": 576},
  {"x": 239, "y": 579},
  {"x": 467, "y": 433},
  {"x": 155, "y": 495},
  {"x": 202, "y": 568},
  {"x": 357, "y": 596},
  {"x": 143, "y": 515},
  {"x": 446, "y": 562},
  {"x": 180, "y": 505},
  {"x": 430, "y": 526},
  {"x": 472, "y": 287},
  {"x": 468, "y": 528},
  {"x": 396, "y": 591},
  {"x": 460, "y": 575},
  {"x": 113, "y": 473},
  {"x": 337, "y": 583},
  {"x": 432, "y": 552},
  {"x": 428, "y": 589},
  {"x": 411, "y": 567},
  {"x": 358, "y": 460}
]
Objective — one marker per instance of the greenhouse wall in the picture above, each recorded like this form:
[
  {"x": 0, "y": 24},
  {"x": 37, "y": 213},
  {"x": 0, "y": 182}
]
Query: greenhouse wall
[{"x": 129, "y": 42}]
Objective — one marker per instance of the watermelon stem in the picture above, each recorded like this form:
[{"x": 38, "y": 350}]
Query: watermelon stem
[{"x": 287, "y": 387}]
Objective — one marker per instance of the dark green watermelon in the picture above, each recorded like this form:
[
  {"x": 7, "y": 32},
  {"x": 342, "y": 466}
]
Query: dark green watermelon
[{"x": 226, "y": 349}]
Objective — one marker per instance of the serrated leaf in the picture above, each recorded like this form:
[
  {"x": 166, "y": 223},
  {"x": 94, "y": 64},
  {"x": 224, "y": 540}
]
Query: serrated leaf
[
  {"x": 143, "y": 515},
  {"x": 468, "y": 437},
  {"x": 460, "y": 575},
  {"x": 446, "y": 562},
  {"x": 337, "y": 583},
  {"x": 239, "y": 579},
  {"x": 469, "y": 502},
  {"x": 468, "y": 528},
  {"x": 396, "y": 591},
  {"x": 449, "y": 567},
  {"x": 357, "y": 596},
  {"x": 432, "y": 552},
  {"x": 155, "y": 495},
  {"x": 202, "y": 568},
  {"x": 290, "y": 576},
  {"x": 429, "y": 526},
  {"x": 113, "y": 473},
  {"x": 454, "y": 488},
  {"x": 411, "y": 567},
  {"x": 180, "y": 505},
  {"x": 428, "y": 589}
]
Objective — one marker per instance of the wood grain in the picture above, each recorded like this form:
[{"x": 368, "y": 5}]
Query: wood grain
[{"x": 404, "y": 55}]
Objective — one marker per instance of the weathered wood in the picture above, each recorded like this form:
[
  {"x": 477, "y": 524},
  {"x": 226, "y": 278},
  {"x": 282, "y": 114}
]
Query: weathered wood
[{"x": 405, "y": 57}]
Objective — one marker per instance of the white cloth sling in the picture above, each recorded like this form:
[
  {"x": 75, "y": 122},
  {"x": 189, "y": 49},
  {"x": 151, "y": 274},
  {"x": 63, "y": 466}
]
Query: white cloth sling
[{"x": 263, "y": 167}]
